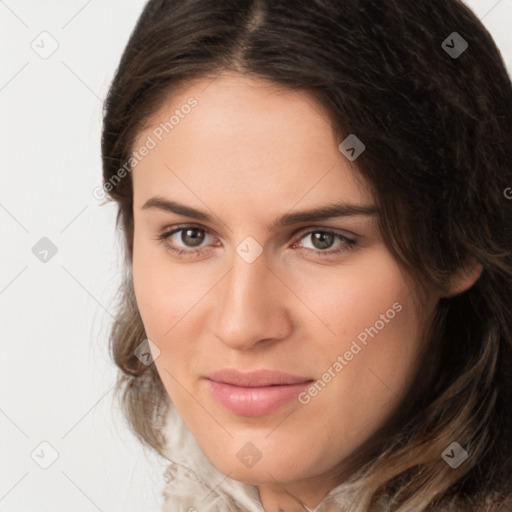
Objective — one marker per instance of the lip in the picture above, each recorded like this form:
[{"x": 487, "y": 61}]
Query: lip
[{"x": 255, "y": 393}]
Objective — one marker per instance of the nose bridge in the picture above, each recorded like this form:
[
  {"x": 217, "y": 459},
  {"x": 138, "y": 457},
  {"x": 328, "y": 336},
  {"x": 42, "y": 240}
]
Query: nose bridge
[{"x": 248, "y": 307}]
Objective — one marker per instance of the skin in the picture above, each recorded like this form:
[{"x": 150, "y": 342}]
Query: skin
[{"x": 248, "y": 153}]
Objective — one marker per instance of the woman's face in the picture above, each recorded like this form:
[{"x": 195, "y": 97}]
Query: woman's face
[{"x": 260, "y": 284}]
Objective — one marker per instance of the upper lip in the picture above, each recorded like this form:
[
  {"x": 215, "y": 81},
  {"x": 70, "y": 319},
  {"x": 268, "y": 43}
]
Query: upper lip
[{"x": 256, "y": 378}]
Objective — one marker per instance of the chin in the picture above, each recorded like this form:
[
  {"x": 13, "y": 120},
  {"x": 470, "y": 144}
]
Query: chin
[{"x": 248, "y": 464}]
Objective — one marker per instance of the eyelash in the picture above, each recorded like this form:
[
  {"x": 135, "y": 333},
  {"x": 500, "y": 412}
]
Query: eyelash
[{"x": 184, "y": 253}]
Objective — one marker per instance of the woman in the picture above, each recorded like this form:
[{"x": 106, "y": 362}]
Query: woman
[{"x": 316, "y": 310}]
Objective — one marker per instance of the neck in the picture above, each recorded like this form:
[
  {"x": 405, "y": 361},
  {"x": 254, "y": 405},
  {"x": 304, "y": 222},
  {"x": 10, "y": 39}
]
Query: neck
[{"x": 298, "y": 496}]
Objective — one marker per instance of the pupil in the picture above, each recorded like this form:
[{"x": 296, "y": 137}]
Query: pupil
[
  {"x": 322, "y": 240},
  {"x": 195, "y": 239}
]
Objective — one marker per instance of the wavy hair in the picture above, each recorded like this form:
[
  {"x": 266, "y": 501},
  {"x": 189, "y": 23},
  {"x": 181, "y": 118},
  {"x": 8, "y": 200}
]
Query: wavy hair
[{"x": 438, "y": 134}]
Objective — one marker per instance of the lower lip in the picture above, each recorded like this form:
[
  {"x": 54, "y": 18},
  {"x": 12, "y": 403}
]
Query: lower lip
[{"x": 257, "y": 401}]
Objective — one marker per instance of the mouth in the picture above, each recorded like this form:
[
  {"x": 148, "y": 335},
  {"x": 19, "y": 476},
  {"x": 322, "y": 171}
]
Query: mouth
[{"x": 255, "y": 393}]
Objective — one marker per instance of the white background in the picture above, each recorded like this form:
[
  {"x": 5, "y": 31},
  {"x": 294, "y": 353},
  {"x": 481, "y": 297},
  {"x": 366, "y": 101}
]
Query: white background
[{"x": 56, "y": 376}]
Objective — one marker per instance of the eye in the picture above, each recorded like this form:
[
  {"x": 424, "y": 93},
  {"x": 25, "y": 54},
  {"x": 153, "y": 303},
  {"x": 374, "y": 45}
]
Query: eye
[
  {"x": 322, "y": 239},
  {"x": 191, "y": 237},
  {"x": 188, "y": 241}
]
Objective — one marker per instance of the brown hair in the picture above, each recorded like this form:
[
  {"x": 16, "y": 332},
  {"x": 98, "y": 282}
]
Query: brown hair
[{"x": 438, "y": 134}]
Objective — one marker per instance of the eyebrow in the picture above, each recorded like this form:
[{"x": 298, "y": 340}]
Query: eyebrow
[{"x": 328, "y": 211}]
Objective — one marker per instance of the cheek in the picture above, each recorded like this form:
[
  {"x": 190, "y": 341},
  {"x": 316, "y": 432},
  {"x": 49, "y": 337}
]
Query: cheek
[
  {"x": 164, "y": 292},
  {"x": 373, "y": 352},
  {"x": 370, "y": 300}
]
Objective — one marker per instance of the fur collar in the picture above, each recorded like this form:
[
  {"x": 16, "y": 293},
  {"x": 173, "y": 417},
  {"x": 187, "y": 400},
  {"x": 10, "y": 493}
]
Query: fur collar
[{"x": 195, "y": 485}]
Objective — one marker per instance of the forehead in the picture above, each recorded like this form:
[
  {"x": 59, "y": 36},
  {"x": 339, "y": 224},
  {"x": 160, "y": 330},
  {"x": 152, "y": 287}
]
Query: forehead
[{"x": 240, "y": 139}]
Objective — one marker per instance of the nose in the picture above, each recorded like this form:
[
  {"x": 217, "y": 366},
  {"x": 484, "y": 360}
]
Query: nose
[{"x": 251, "y": 305}]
